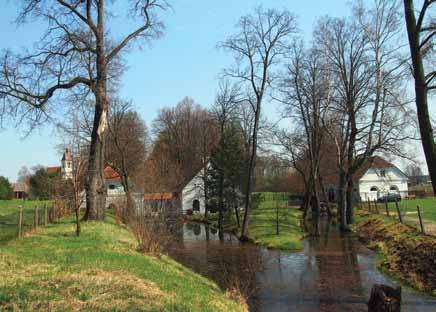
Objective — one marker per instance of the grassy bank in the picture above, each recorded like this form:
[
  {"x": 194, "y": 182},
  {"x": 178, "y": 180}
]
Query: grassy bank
[
  {"x": 262, "y": 227},
  {"x": 405, "y": 253},
  {"x": 99, "y": 271},
  {"x": 8, "y": 216}
]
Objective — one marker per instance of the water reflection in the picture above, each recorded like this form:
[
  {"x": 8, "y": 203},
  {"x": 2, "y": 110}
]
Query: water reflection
[{"x": 333, "y": 273}]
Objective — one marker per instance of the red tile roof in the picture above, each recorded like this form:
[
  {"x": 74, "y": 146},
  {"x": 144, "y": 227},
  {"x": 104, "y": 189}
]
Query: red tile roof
[
  {"x": 52, "y": 170},
  {"x": 158, "y": 196},
  {"x": 110, "y": 174}
]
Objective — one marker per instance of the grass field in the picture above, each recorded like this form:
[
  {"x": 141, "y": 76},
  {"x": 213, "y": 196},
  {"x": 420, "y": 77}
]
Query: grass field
[
  {"x": 8, "y": 216},
  {"x": 427, "y": 205},
  {"x": 262, "y": 227},
  {"x": 52, "y": 270},
  {"x": 263, "y": 224}
]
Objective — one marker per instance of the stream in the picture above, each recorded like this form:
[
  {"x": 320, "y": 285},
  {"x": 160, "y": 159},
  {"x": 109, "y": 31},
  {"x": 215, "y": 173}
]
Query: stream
[{"x": 333, "y": 272}]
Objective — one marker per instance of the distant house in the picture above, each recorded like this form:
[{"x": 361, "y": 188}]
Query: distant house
[
  {"x": 374, "y": 179},
  {"x": 115, "y": 189},
  {"x": 65, "y": 170},
  {"x": 21, "y": 190}
]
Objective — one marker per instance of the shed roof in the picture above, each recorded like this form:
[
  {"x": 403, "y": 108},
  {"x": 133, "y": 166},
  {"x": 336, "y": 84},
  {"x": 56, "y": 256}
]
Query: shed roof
[
  {"x": 158, "y": 196},
  {"x": 20, "y": 187}
]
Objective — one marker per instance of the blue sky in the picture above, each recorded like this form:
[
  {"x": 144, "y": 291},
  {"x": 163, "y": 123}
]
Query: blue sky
[{"x": 184, "y": 62}]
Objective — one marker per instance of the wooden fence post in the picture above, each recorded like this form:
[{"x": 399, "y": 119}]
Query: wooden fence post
[
  {"x": 376, "y": 207},
  {"x": 399, "y": 212},
  {"x": 45, "y": 215},
  {"x": 420, "y": 219},
  {"x": 36, "y": 219},
  {"x": 277, "y": 218},
  {"x": 369, "y": 204},
  {"x": 386, "y": 207},
  {"x": 20, "y": 221}
]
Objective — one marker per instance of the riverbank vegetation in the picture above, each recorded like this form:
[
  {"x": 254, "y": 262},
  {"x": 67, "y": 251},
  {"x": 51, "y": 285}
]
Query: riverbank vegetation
[
  {"x": 405, "y": 253},
  {"x": 52, "y": 269}
]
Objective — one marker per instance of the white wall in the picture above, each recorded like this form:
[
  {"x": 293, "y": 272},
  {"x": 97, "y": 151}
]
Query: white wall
[
  {"x": 194, "y": 190},
  {"x": 373, "y": 178}
]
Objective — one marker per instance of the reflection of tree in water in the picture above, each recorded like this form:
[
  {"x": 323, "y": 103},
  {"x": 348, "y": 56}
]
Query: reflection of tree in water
[
  {"x": 339, "y": 282},
  {"x": 197, "y": 229},
  {"x": 235, "y": 268}
]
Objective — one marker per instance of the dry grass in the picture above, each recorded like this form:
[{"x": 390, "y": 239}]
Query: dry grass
[
  {"x": 406, "y": 253},
  {"x": 93, "y": 291}
]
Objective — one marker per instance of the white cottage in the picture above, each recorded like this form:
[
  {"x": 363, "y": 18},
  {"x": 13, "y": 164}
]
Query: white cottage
[
  {"x": 379, "y": 177},
  {"x": 193, "y": 194}
]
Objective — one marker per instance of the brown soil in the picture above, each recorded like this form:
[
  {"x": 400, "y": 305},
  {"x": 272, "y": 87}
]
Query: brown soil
[{"x": 407, "y": 254}]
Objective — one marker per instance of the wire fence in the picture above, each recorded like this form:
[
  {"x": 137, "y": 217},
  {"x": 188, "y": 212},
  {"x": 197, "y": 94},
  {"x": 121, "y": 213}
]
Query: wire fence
[
  {"x": 411, "y": 213},
  {"x": 276, "y": 209},
  {"x": 19, "y": 218}
]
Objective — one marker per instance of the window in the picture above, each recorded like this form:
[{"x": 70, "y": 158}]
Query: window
[
  {"x": 383, "y": 172},
  {"x": 374, "y": 189},
  {"x": 112, "y": 186},
  {"x": 394, "y": 188}
]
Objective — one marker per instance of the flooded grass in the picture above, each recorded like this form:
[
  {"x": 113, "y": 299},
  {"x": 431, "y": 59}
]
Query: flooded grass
[
  {"x": 99, "y": 271},
  {"x": 273, "y": 223},
  {"x": 263, "y": 226}
]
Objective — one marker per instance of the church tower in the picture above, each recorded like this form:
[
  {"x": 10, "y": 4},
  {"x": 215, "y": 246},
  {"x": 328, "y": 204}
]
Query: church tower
[{"x": 67, "y": 165}]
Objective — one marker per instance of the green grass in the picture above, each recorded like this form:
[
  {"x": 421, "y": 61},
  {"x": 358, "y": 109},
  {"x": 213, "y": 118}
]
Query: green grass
[
  {"x": 52, "y": 269},
  {"x": 8, "y": 216},
  {"x": 262, "y": 228},
  {"x": 263, "y": 225},
  {"x": 427, "y": 205}
]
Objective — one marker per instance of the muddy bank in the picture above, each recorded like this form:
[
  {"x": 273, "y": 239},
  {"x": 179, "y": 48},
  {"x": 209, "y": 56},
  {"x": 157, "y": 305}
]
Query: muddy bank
[{"x": 406, "y": 253}]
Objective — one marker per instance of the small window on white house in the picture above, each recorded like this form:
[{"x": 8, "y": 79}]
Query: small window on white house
[
  {"x": 394, "y": 188},
  {"x": 382, "y": 172},
  {"x": 112, "y": 186},
  {"x": 374, "y": 189}
]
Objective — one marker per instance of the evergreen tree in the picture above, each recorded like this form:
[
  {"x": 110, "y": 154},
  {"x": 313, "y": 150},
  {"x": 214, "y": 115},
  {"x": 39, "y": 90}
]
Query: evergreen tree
[
  {"x": 41, "y": 184},
  {"x": 226, "y": 172},
  {"x": 6, "y": 191}
]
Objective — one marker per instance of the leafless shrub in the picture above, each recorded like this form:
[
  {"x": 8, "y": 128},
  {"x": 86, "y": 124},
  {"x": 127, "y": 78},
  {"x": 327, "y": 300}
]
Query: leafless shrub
[{"x": 153, "y": 231}]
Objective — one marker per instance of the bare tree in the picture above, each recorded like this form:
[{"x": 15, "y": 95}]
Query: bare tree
[
  {"x": 79, "y": 163},
  {"x": 75, "y": 54},
  {"x": 260, "y": 44},
  {"x": 421, "y": 31},
  {"x": 181, "y": 146},
  {"x": 369, "y": 113},
  {"x": 127, "y": 141},
  {"x": 307, "y": 97}
]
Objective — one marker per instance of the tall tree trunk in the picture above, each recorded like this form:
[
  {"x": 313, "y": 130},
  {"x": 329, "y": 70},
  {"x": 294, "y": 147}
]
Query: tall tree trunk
[
  {"x": 342, "y": 205},
  {"x": 95, "y": 184},
  {"x": 251, "y": 169},
  {"x": 349, "y": 196},
  {"x": 421, "y": 90},
  {"x": 221, "y": 203}
]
